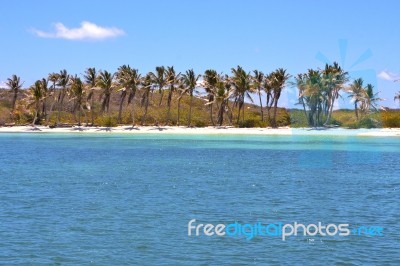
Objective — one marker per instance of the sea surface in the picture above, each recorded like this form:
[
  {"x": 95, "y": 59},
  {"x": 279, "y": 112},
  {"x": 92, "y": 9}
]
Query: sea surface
[{"x": 119, "y": 199}]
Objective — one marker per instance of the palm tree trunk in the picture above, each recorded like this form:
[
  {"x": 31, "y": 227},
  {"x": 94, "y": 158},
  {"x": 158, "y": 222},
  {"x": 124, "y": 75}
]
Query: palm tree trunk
[
  {"x": 356, "y": 109},
  {"x": 145, "y": 109},
  {"x": 79, "y": 115},
  {"x": 14, "y": 100},
  {"x": 329, "y": 115},
  {"x": 36, "y": 113},
  {"x": 261, "y": 107},
  {"x": 274, "y": 117},
  {"x": 169, "y": 107},
  {"x": 92, "y": 109},
  {"x": 161, "y": 97},
  {"x": 60, "y": 104},
  {"x": 211, "y": 115},
  {"x": 221, "y": 113},
  {"x": 190, "y": 110},
  {"x": 121, "y": 102},
  {"x": 243, "y": 112}
]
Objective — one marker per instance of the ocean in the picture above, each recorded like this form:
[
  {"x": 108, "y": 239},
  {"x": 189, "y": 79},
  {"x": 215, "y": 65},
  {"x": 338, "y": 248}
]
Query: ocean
[{"x": 131, "y": 199}]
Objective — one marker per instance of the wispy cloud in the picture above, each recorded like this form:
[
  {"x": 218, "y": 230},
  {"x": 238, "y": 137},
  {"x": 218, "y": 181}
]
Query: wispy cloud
[
  {"x": 87, "y": 31},
  {"x": 386, "y": 75}
]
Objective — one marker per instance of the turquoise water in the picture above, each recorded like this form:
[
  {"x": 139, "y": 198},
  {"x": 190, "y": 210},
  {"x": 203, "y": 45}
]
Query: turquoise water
[{"x": 109, "y": 199}]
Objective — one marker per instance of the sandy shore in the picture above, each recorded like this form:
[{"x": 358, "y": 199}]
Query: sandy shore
[{"x": 206, "y": 130}]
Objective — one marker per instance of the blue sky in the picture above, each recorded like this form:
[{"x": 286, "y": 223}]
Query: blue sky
[{"x": 297, "y": 35}]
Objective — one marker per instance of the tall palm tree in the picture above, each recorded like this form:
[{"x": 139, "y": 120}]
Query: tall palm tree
[
  {"x": 241, "y": 82},
  {"x": 181, "y": 90},
  {"x": 173, "y": 82},
  {"x": 334, "y": 79},
  {"x": 224, "y": 93},
  {"x": 121, "y": 79},
  {"x": 357, "y": 93},
  {"x": 269, "y": 94},
  {"x": 53, "y": 77},
  {"x": 159, "y": 78},
  {"x": 129, "y": 80},
  {"x": 210, "y": 79},
  {"x": 78, "y": 91},
  {"x": 189, "y": 81},
  {"x": 63, "y": 81},
  {"x": 258, "y": 81},
  {"x": 310, "y": 95},
  {"x": 35, "y": 95},
  {"x": 147, "y": 84},
  {"x": 14, "y": 84},
  {"x": 278, "y": 82},
  {"x": 90, "y": 77},
  {"x": 45, "y": 95},
  {"x": 105, "y": 82},
  {"x": 371, "y": 99}
]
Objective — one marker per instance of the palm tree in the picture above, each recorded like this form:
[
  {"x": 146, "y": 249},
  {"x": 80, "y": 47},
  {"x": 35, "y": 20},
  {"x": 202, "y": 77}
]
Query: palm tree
[
  {"x": 90, "y": 77},
  {"x": 242, "y": 85},
  {"x": 269, "y": 94},
  {"x": 160, "y": 80},
  {"x": 181, "y": 92},
  {"x": 357, "y": 93},
  {"x": 210, "y": 85},
  {"x": 63, "y": 81},
  {"x": 258, "y": 81},
  {"x": 120, "y": 75},
  {"x": 78, "y": 91},
  {"x": 129, "y": 80},
  {"x": 147, "y": 84},
  {"x": 104, "y": 81},
  {"x": 45, "y": 92},
  {"x": 278, "y": 82},
  {"x": 371, "y": 99},
  {"x": 35, "y": 94},
  {"x": 14, "y": 84},
  {"x": 310, "y": 95},
  {"x": 224, "y": 93},
  {"x": 172, "y": 81},
  {"x": 334, "y": 79},
  {"x": 189, "y": 81},
  {"x": 53, "y": 77}
]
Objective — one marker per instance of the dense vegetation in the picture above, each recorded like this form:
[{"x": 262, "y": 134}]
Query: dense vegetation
[{"x": 164, "y": 97}]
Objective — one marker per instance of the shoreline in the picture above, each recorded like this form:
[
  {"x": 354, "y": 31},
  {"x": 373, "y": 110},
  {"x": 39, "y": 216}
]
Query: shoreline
[{"x": 225, "y": 130}]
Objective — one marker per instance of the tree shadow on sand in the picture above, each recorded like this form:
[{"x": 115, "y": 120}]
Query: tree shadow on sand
[
  {"x": 33, "y": 128},
  {"x": 131, "y": 128},
  {"x": 79, "y": 129},
  {"x": 106, "y": 129},
  {"x": 159, "y": 128}
]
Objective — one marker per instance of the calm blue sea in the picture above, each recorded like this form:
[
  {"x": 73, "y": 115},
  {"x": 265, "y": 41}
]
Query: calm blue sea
[{"x": 109, "y": 199}]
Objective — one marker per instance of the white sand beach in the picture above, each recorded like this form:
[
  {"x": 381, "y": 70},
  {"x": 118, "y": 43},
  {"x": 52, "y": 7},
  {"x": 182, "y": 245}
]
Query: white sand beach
[{"x": 381, "y": 132}]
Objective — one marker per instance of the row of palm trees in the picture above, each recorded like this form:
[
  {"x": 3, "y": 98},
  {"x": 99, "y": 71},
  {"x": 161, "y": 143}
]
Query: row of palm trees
[
  {"x": 318, "y": 91},
  {"x": 222, "y": 91}
]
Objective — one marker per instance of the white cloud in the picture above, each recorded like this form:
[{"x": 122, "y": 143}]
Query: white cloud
[
  {"x": 388, "y": 75},
  {"x": 87, "y": 31}
]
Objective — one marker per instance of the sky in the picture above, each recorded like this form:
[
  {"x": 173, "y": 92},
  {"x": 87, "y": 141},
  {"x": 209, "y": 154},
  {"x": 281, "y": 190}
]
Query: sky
[{"x": 40, "y": 37}]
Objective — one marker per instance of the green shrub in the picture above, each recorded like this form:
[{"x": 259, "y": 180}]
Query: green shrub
[
  {"x": 390, "y": 118},
  {"x": 247, "y": 123},
  {"x": 199, "y": 123},
  {"x": 106, "y": 121}
]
